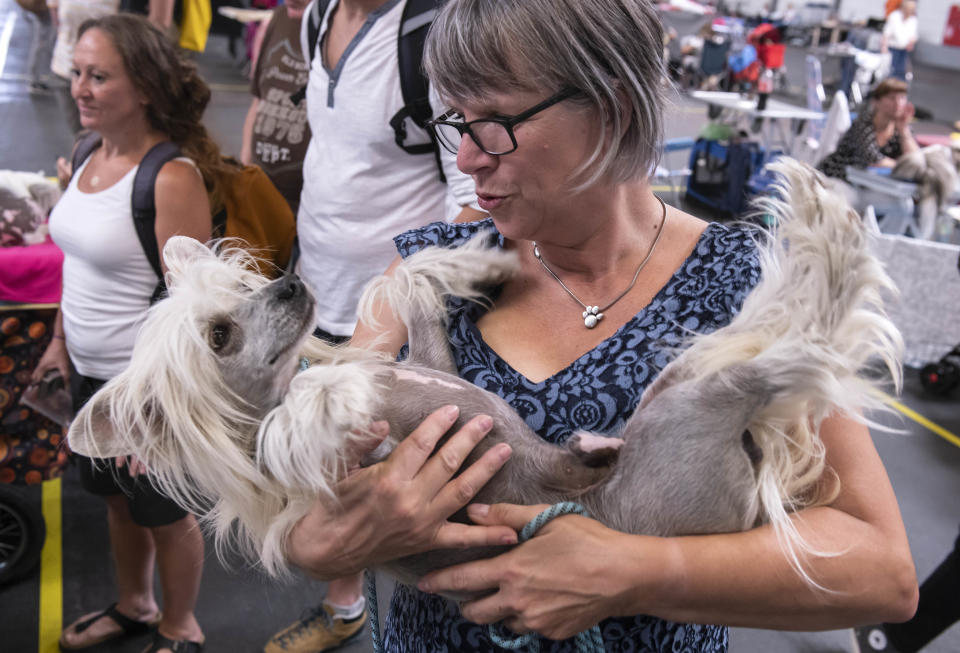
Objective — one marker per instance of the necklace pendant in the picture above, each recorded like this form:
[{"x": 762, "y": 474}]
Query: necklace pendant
[
  {"x": 95, "y": 181},
  {"x": 592, "y": 316}
]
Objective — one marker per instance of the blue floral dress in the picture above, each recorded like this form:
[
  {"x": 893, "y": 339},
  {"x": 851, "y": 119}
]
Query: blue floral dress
[{"x": 597, "y": 392}]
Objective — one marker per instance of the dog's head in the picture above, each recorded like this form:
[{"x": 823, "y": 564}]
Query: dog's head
[{"x": 208, "y": 364}]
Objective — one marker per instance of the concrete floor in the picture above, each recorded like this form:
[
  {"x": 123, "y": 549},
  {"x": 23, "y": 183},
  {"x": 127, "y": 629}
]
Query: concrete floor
[{"x": 239, "y": 609}]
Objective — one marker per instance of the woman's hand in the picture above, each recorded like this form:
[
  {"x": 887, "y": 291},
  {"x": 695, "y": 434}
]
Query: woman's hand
[
  {"x": 64, "y": 172},
  {"x": 562, "y": 581},
  {"x": 905, "y": 117},
  {"x": 401, "y": 506},
  {"x": 54, "y": 358}
]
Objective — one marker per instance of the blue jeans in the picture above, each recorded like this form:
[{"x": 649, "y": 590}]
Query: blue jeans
[{"x": 898, "y": 67}]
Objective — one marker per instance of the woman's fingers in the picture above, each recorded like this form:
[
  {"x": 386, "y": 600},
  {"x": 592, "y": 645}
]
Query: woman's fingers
[
  {"x": 411, "y": 454},
  {"x": 508, "y": 514},
  {"x": 464, "y": 536},
  {"x": 460, "y": 491},
  {"x": 446, "y": 462},
  {"x": 477, "y": 576},
  {"x": 63, "y": 171}
]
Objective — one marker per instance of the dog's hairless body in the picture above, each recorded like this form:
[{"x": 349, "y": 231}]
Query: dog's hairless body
[{"x": 697, "y": 456}]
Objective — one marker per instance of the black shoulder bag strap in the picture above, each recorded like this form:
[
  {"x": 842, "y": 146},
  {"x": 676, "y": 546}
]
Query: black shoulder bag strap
[
  {"x": 313, "y": 16},
  {"x": 414, "y": 25},
  {"x": 144, "y": 207},
  {"x": 83, "y": 149}
]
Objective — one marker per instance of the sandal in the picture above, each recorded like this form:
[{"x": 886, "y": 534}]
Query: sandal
[
  {"x": 128, "y": 628},
  {"x": 176, "y": 646}
]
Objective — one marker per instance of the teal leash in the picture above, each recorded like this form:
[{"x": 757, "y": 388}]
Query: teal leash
[
  {"x": 373, "y": 610},
  {"x": 589, "y": 641}
]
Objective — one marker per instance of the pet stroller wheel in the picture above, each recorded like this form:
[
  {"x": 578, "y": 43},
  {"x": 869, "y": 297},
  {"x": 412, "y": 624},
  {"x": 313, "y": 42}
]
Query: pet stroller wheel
[
  {"x": 940, "y": 377},
  {"x": 22, "y": 532}
]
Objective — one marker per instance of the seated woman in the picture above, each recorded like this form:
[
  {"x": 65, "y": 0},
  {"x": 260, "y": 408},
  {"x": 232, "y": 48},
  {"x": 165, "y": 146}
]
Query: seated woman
[
  {"x": 879, "y": 136},
  {"x": 557, "y": 113}
]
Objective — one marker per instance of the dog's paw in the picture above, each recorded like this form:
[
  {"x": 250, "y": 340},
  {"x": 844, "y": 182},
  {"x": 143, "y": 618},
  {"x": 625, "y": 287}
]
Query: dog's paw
[{"x": 594, "y": 450}]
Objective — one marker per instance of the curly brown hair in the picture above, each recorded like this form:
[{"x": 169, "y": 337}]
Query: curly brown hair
[{"x": 176, "y": 94}]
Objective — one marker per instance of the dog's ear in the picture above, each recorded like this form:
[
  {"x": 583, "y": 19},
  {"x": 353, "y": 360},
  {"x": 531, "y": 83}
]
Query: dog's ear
[
  {"x": 92, "y": 433},
  {"x": 181, "y": 251}
]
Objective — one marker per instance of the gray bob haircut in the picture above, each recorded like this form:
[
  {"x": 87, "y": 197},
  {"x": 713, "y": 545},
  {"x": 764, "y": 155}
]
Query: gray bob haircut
[{"x": 610, "y": 50}]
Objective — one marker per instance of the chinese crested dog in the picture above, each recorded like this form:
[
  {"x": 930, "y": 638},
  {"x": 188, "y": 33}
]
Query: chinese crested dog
[{"x": 724, "y": 439}]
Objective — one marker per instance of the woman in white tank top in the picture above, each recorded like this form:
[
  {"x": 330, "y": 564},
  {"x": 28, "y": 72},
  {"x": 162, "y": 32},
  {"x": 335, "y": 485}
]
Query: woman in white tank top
[{"x": 134, "y": 89}]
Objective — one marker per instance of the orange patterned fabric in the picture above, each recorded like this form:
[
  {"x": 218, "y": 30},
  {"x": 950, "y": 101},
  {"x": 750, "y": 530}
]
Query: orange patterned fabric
[{"x": 31, "y": 447}]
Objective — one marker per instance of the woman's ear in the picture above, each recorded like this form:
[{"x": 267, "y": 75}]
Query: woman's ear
[{"x": 622, "y": 107}]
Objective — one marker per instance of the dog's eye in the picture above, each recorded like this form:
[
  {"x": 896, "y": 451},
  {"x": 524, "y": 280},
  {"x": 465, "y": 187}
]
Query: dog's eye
[{"x": 219, "y": 336}]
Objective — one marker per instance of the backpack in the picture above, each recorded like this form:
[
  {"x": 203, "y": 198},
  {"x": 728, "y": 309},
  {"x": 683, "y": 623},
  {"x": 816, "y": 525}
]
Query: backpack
[
  {"x": 719, "y": 174},
  {"x": 417, "y": 17},
  {"x": 253, "y": 211}
]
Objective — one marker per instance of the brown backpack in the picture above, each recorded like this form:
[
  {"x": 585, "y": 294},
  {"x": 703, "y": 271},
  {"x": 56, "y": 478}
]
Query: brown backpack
[{"x": 255, "y": 212}]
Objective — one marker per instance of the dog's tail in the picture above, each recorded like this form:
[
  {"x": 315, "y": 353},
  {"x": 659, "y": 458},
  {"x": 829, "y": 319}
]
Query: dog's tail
[
  {"x": 815, "y": 327},
  {"x": 416, "y": 290}
]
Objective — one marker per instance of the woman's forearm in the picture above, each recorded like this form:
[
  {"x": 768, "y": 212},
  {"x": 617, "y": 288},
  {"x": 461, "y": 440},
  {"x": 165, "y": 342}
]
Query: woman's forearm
[
  {"x": 908, "y": 143},
  {"x": 743, "y": 579}
]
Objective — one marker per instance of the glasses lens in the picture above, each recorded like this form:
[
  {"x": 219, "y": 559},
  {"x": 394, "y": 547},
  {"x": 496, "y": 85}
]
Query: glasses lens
[
  {"x": 492, "y": 137},
  {"x": 448, "y": 136}
]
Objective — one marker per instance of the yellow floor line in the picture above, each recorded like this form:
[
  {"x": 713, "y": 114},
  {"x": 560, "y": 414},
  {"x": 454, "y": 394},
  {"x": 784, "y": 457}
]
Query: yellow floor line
[
  {"x": 51, "y": 568},
  {"x": 923, "y": 421}
]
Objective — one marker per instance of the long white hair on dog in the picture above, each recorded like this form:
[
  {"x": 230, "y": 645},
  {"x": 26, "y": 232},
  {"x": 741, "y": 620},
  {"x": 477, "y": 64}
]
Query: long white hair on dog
[
  {"x": 820, "y": 302},
  {"x": 418, "y": 289},
  {"x": 306, "y": 441},
  {"x": 172, "y": 407}
]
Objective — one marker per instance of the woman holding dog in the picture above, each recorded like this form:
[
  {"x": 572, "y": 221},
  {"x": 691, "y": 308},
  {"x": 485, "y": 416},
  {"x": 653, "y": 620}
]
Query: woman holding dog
[
  {"x": 134, "y": 89},
  {"x": 556, "y": 112}
]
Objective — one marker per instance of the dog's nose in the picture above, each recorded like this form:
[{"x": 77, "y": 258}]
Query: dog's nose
[{"x": 289, "y": 287}]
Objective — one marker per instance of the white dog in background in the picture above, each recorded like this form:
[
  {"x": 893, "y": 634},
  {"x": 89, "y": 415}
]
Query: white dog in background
[{"x": 725, "y": 438}]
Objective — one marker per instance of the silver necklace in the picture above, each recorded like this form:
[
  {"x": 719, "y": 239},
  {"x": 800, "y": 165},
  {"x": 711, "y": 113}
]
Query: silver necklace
[{"x": 593, "y": 314}]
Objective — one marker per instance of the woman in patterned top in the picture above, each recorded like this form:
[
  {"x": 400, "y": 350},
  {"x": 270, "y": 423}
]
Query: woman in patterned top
[
  {"x": 557, "y": 115},
  {"x": 879, "y": 136}
]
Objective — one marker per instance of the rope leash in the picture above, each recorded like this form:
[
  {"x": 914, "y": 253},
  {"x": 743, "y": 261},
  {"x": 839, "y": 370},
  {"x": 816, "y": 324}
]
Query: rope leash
[
  {"x": 373, "y": 610},
  {"x": 589, "y": 641}
]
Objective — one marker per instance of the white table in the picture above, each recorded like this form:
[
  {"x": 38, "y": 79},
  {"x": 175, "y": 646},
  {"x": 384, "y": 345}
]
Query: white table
[
  {"x": 781, "y": 117},
  {"x": 244, "y": 14}
]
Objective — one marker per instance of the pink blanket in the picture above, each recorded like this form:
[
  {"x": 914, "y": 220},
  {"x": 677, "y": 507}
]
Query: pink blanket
[{"x": 31, "y": 274}]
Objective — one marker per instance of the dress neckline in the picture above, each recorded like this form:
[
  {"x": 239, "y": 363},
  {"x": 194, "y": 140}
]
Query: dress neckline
[{"x": 471, "y": 317}]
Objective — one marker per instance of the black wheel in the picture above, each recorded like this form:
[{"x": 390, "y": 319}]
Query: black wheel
[
  {"x": 713, "y": 111},
  {"x": 940, "y": 377},
  {"x": 22, "y": 532}
]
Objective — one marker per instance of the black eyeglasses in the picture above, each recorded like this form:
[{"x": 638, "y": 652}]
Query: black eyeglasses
[{"x": 492, "y": 135}]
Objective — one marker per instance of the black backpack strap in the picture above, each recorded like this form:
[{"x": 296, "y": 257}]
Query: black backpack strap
[
  {"x": 313, "y": 18},
  {"x": 414, "y": 25},
  {"x": 144, "y": 206},
  {"x": 83, "y": 149}
]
